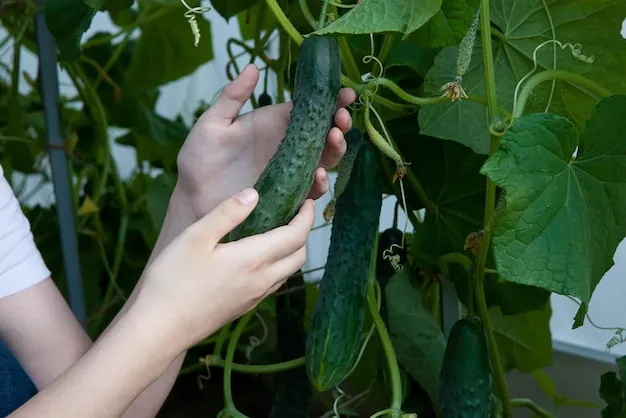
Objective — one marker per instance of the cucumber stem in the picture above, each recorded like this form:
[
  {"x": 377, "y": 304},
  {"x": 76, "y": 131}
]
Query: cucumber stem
[
  {"x": 490, "y": 200},
  {"x": 258, "y": 368},
  {"x": 284, "y": 21},
  {"x": 548, "y": 75},
  {"x": 228, "y": 364},
  {"x": 385, "y": 340},
  {"x": 307, "y": 14},
  {"x": 527, "y": 403},
  {"x": 322, "y": 19}
]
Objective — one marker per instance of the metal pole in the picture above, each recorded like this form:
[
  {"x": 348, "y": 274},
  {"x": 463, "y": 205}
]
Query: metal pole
[{"x": 60, "y": 174}]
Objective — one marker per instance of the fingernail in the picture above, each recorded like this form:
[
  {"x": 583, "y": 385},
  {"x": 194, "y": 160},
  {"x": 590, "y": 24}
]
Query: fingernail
[{"x": 247, "y": 197}]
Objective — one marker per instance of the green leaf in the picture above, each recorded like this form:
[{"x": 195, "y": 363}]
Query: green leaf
[
  {"x": 548, "y": 387},
  {"x": 524, "y": 340},
  {"x": 67, "y": 20},
  {"x": 229, "y": 8},
  {"x": 165, "y": 50},
  {"x": 407, "y": 54},
  {"x": 157, "y": 198},
  {"x": 513, "y": 298},
  {"x": 416, "y": 337},
  {"x": 465, "y": 121},
  {"x": 613, "y": 391},
  {"x": 520, "y": 26},
  {"x": 375, "y": 16},
  {"x": 117, "y": 6},
  {"x": 449, "y": 25},
  {"x": 565, "y": 216},
  {"x": 449, "y": 175},
  {"x": 156, "y": 139}
]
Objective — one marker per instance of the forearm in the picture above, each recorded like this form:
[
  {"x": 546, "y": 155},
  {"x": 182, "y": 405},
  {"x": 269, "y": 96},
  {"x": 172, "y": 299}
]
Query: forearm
[
  {"x": 107, "y": 379},
  {"x": 151, "y": 400}
]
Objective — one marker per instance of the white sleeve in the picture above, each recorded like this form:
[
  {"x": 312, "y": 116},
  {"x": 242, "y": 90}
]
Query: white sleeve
[{"x": 21, "y": 264}]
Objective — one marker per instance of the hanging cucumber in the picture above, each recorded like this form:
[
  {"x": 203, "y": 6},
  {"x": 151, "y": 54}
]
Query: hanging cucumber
[
  {"x": 354, "y": 138},
  {"x": 465, "y": 379},
  {"x": 287, "y": 179},
  {"x": 334, "y": 339}
]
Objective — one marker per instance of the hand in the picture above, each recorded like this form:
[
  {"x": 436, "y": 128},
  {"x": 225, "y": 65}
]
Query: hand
[
  {"x": 197, "y": 285},
  {"x": 225, "y": 153}
]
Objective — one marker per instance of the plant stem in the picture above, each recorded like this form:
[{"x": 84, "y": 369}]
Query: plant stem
[
  {"x": 385, "y": 48},
  {"x": 284, "y": 21},
  {"x": 260, "y": 368},
  {"x": 492, "y": 107},
  {"x": 228, "y": 364},
  {"x": 307, "y": 14},
  {"x": 385, "y": 340},
  {"x": 548, "y": 75},
  {"x": 527, "y": 403},
  {"x": 322, "y": 19},
  {"x": 348, "y": 61}
]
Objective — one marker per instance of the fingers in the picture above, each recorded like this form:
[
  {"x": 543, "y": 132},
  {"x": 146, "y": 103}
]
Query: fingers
[
  {"x": 343, "y": 120},
  {"x": 282, "y": 241},
  {"x": 346, "y": 97},
  {"x": 320, "y": 184},
  {"x": 280, "y": 271},
  {"x": 211, "y": 228},
  {"x": 334, "y": 150},
  {"x": 234, "y": 96}
]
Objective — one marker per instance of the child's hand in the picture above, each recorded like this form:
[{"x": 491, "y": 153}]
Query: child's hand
[{"x": 196, "y": 285}]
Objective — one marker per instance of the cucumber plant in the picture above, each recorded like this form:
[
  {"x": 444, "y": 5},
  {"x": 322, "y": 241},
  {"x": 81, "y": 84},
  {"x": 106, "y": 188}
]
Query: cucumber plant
[{"x": 495, "y": 125}]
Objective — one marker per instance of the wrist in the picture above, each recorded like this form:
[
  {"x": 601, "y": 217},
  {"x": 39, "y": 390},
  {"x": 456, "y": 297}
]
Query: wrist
[{"x": 178, "y": 217}]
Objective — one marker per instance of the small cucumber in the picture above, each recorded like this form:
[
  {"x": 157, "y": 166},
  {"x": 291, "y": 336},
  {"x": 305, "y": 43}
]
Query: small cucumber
[{"x": 465, "y": 379}]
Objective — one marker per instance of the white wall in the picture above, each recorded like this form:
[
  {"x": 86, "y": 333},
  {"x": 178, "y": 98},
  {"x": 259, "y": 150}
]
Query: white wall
[{"x": 184, "y": 95}]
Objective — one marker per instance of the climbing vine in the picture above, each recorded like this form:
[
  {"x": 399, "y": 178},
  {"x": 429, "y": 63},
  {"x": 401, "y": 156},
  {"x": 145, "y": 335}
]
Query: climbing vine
[{"x": 496, "y": 131}]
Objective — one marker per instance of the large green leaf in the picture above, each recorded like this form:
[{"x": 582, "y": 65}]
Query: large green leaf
[
  {"x": 565, "y": 216},
  {"x": 449, "y": 25},
  {"x": 67, "y": 20},
  {"x": 524, "y": 340},
  {"x": 449, "y": 176},
  {"x": 521, "y": 26},
  {"x": 416, "y": 337},
  {"x": 407, "y": 54},
  {"x": 165, "y": 50},
  {"x": 464, "y": 121},
  {"x": 375, "y": 16},
  {"x": 158, "y": 197},
  {"x": 229, "y": 8}
]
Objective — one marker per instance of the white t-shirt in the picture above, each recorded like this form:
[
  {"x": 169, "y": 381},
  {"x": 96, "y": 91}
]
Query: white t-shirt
[{"x": 21, "y": 264}]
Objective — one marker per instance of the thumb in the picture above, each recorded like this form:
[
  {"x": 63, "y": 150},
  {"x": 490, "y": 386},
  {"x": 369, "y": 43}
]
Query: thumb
[
  {"x": 226, "y": 216},
  {"x": 234, "y": 96}
]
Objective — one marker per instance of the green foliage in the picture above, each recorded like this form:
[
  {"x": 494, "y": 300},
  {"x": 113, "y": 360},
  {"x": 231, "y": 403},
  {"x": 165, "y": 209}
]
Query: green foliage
[
  {"x": 613, "y": 391},
  {"x": 375, "y": 16},
  {"x": 565, "y": 215},
  {"x": 549, "y": 151},
  {"x": 416, "y": 337}
]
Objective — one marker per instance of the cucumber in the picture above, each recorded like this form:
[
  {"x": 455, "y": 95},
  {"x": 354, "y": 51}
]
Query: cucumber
[
  {"x": 334, "y": 339},
  {"x": 287, "y": 179},
  {"x": 465, "y": 379},
  {"x": 354, "y": 138},
  {"x": 293, "y": 395}
]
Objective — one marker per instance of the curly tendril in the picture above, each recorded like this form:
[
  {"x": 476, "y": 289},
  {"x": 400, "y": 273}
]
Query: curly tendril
[
  {"x": 576, "y": 50},
  {"x": 191, "y": 18}
]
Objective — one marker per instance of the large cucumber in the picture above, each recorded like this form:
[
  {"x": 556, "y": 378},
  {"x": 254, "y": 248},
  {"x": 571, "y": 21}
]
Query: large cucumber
[
  {"x": 287, "y": 179},
  {"x": 334, "y": 339},
  {"x": 465, "y": 380}
]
